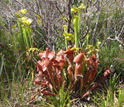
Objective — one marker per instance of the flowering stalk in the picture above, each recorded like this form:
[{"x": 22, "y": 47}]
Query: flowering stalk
[{"x": 76, "y": 22}]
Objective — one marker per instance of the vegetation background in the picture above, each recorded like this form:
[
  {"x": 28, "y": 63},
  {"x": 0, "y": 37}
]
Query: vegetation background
[{"x": 101, "y": 20}]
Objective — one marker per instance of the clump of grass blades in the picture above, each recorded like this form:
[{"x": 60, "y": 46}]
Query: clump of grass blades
[
  {"x": 14, "y": 92},
  {"x": 111, "y": 99}
]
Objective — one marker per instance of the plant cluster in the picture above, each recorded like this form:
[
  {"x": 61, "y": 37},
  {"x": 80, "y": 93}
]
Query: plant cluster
[{"x": 74, "y": 68}]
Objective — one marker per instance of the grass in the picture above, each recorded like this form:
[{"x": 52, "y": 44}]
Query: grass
[
  {"x": 62, "y": 100},
  {"x": 110, "y": 99},
  {"x": 15, "y": 92},
  {"x": 111, "y": 55},
  {"x": 112, "y": 93}
]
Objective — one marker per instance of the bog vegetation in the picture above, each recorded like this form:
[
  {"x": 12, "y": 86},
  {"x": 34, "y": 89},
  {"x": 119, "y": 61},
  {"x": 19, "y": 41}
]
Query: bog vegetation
[{"x": 62, "y": 53}]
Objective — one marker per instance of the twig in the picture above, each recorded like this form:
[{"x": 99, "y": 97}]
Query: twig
[
  {"x": 85, "y": 33},
  {"x": 121, "y": 31},
  {"x": 113, "y": 39},
  {"x": 58, "y": 8},
  {"x": 104, "y": 42},
  {"x": 1, "y": 45},
  {"x": 43, "y": 38},
  {"x": 69, "y": 18},
  {"x": 27, "y": 7}
]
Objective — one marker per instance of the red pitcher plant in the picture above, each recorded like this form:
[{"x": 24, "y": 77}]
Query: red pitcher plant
[{"x": 80, "y": 69}]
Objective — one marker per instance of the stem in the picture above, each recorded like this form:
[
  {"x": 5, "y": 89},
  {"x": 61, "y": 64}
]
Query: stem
[
  {"x": 21, "y": 37},
  {"x": 66, "y": 44},
  {"x": 76, "y": 30},
  {"x": 79, "y": 16}
]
